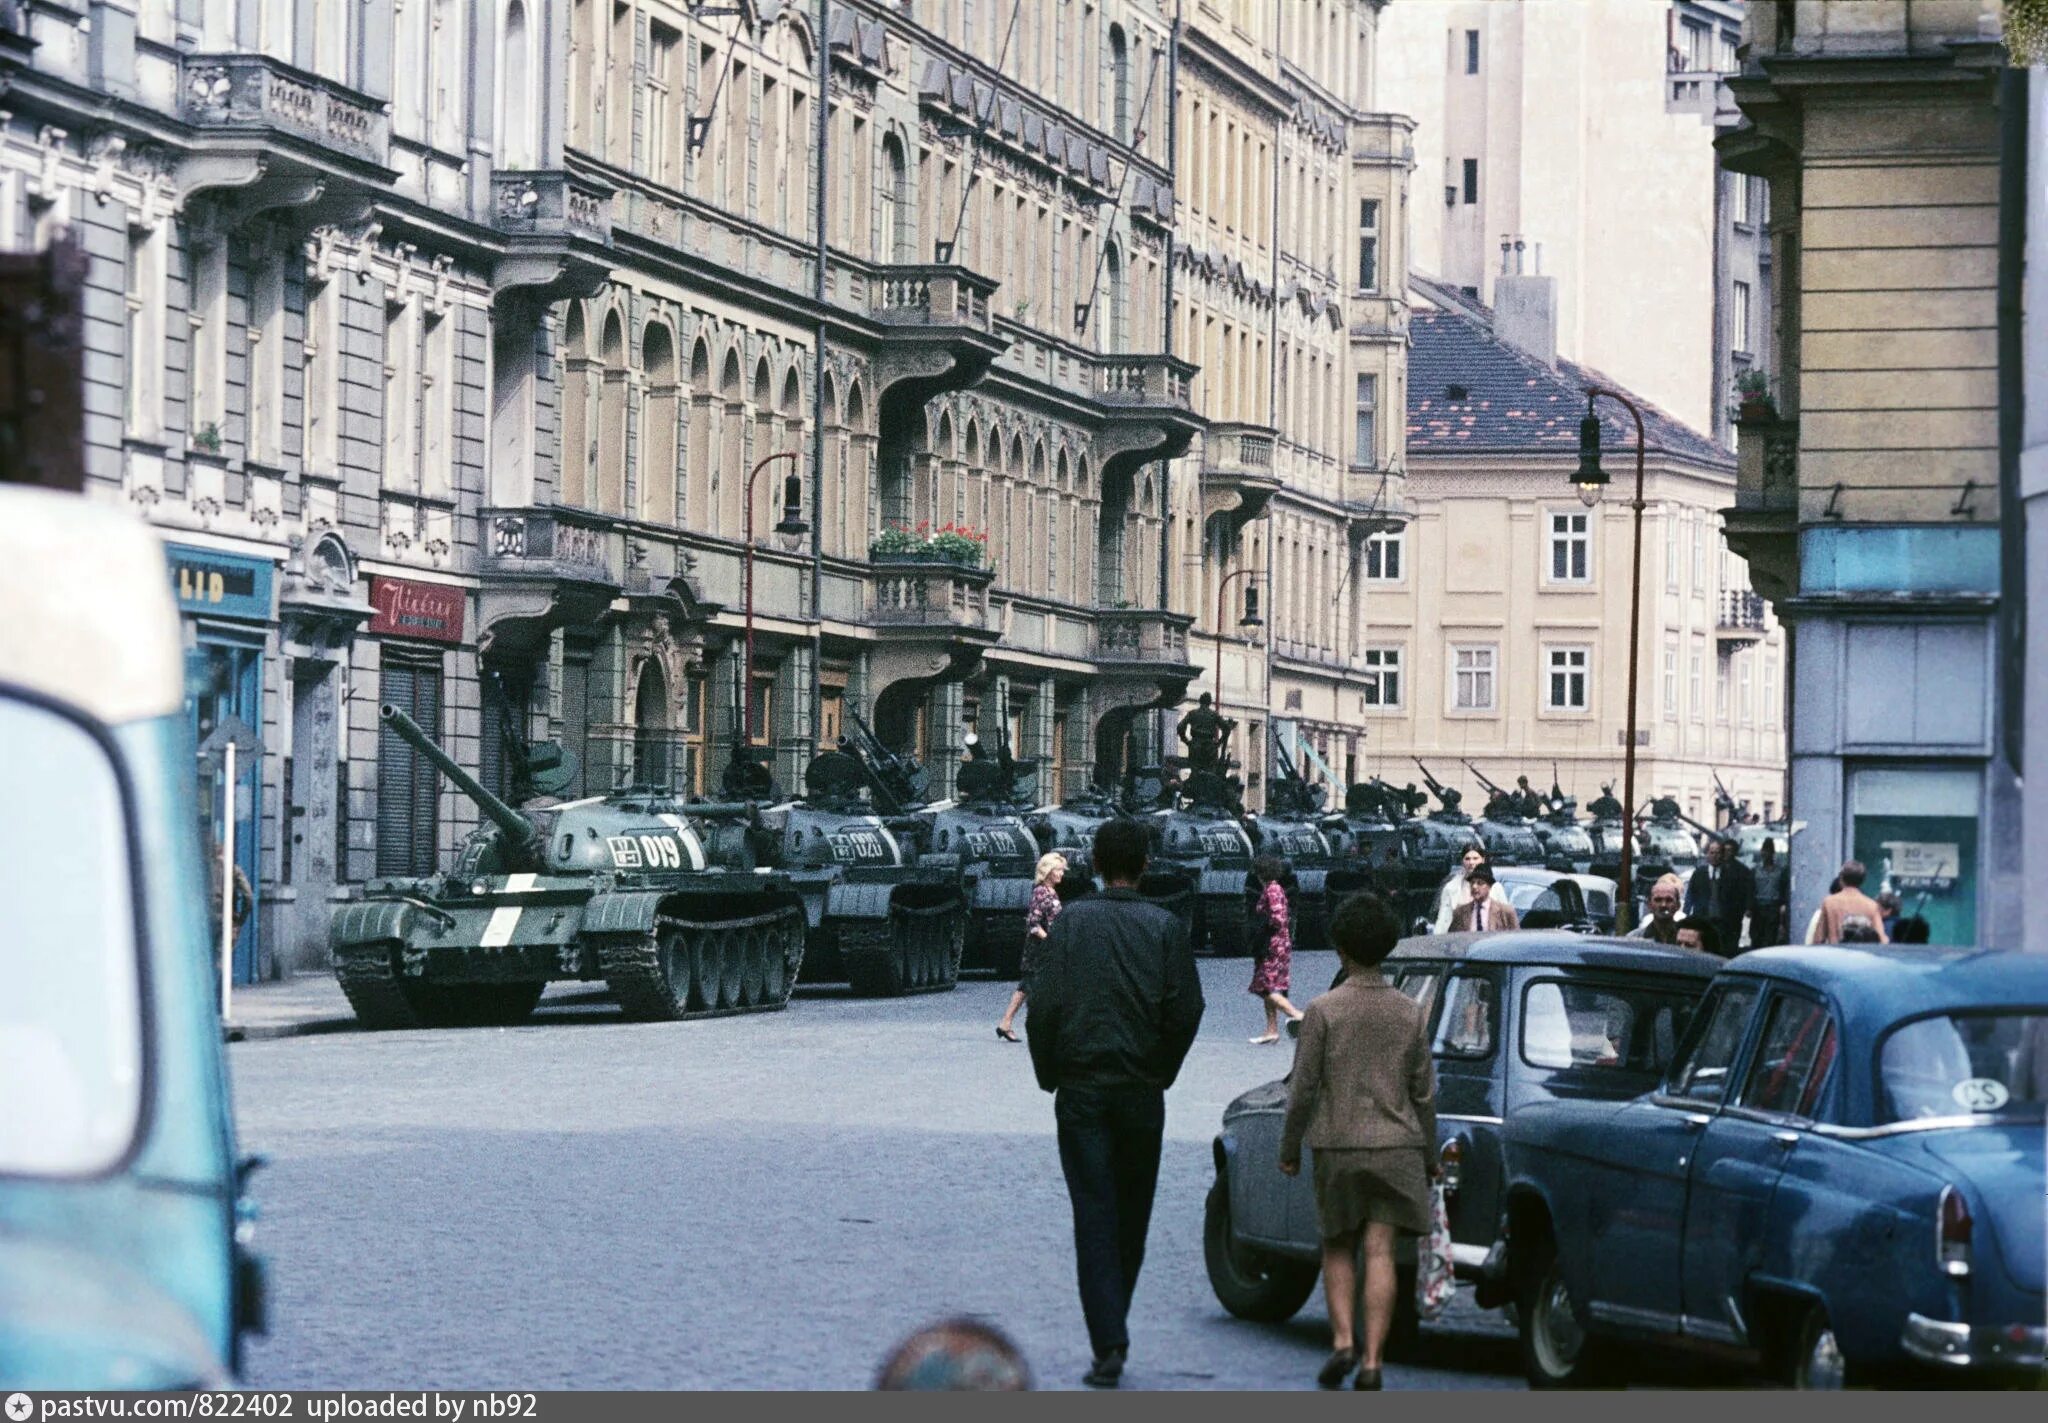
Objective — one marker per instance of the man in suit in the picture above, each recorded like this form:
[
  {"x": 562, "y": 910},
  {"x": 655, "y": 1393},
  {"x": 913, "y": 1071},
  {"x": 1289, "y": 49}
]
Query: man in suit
[
  {"x": 1723, "y": 889},
  {"x": 1115, "y": 1002},
  {"x": 1482, "y": 914}
]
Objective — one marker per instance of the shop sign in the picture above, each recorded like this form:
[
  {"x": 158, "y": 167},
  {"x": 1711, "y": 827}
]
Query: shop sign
[
  {"x": 408, "y": 609},
  {"x": 222, "y": 584}
]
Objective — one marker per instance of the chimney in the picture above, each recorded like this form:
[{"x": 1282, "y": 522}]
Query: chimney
[{"x": 1525, "y": 303}]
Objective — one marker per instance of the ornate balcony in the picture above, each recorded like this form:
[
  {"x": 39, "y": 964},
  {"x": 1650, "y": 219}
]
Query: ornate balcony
[
  {"x": 1741, "y": 619},
  {"x": 255, "y": 93},
  {"x": 558, "y": 233},
  {"x": 933, "y": 330},
  {"x": 1142, "y": 658},
  {"x": 931, "y": 619},
  {"x": 930, "y": 296},
  {"x": 1237, "y": 472},
  {"x": 1148, "y": 412},
  {"x": 1763, "y": 526},
  {"x": 541, "y": 569}
]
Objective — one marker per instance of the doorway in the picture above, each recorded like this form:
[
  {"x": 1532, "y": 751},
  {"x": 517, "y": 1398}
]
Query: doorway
[{"x": 307, "y": 860}]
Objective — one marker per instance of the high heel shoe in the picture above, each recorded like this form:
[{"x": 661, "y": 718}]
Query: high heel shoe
[
  {"x": 1368, "y": 1380},
  {"x": 1006, "y": 1035},
  {"x": 1335, "y": 1368}
]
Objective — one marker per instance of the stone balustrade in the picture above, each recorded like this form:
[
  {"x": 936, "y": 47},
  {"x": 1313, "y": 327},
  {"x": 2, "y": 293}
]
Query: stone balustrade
[{"x": 255, "y": 91}]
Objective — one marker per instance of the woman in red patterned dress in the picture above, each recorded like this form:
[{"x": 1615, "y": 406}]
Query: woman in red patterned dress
[
  {"x": 1271, "y": 930},
  {"x": 1044, "y": 908}
]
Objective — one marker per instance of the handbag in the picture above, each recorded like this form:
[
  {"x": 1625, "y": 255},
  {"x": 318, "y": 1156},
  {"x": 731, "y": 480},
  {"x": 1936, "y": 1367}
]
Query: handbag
[{"x": 1435, "y": 1278}]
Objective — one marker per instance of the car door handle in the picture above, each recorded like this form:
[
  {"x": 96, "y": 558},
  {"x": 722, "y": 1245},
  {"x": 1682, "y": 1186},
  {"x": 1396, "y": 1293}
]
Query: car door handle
[
  {"x": 1785, "y": 1139},
  {"x": 1695, "y": 1120}
]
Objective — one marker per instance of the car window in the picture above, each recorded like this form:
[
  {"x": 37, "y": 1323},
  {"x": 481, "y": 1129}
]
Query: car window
[
  {"x": 1465, "y": 1028},
  {"x": 70, "y": 980},
  {"x": 1966, "y": 1063},
  {"x": 1794, "y": 1057},
  {"x": 1703, "y": 1075},
  {"x": 1420, "y": 983},
  {"x": 1566, "y": 1024}
]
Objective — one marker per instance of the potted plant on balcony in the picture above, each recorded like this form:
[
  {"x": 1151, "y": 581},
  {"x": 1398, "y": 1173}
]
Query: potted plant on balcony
[
  {"x": 1753, "y": 401},
  {"x": 956, "y": 543},
  {"x": 896, "y": 542}
]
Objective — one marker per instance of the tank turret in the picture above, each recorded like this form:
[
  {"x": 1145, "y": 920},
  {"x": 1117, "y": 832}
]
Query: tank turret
[
  {"x": 521, "y": 846},
  {"x": 1566, "y": 844}
]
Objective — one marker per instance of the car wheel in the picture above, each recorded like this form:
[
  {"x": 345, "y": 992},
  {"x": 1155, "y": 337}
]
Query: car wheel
[
  {"x": 1816, "y": 1361},
  {"x": 1250, "y": 1284},
  {"x": 1556, "y": 1350}
]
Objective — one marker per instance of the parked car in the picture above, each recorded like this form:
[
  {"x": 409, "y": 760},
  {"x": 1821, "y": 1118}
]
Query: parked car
[
  {"x": 1840, "y": 1179},
  {"x": 1551, "y": 899},
  {"x": 121, "y": 1265},
  {"x": 1515, "y": 1018}
]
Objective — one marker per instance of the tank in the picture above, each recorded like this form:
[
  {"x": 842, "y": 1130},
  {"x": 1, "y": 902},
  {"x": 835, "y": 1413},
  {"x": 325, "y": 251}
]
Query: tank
[
  {"x": 1567, "y": 847},
  {"x": 1435, "y": 844},
  {"x": 1607, "y": 826},
  {"x": 1314, "y": 844},
  {"x": 668, "y": 903},
  {"x": 1506, "y": 829},
  {"x": 1664, "y": 846},
  {"x": 1199, "y": 840},
  {"x": 885, "y": 916}
]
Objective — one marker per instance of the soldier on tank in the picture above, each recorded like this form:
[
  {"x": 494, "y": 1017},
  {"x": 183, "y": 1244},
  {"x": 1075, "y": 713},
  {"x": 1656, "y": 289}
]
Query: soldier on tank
[
  {"x": 1606, "y": 807},
  {"x": 1527, "y": 802},
  {"x": 1203, "y": 732}
]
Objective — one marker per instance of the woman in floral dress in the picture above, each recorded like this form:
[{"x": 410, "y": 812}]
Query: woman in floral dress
[
  {"x": 1271, "y": 931},
  {"x": 1044, "y": 908}
]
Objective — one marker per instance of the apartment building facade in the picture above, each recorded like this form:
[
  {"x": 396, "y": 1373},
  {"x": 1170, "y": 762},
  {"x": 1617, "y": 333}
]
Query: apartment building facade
[{"x": 444, "y": 342}]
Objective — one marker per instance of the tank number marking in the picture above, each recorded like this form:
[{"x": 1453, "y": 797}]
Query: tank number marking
[
  {"x": 855, "y": 846},
  {"x": 1221, "y": 844},
  {"x": 650, "y": 852},
  {"x": 988, "y": 844}
]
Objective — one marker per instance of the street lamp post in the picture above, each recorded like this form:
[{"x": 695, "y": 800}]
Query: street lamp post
[
  {"x": 791, "y": 525},
  {"x": 1250, "y": 619},
  {"x": 1590, "y": 480}
]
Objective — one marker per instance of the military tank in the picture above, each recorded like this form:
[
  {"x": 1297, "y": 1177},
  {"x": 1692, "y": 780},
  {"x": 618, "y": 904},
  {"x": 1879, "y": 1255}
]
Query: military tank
[
  {"x": 666, "y": 902},
  {"x": 1436, "y": 843},
  {"x": 1507, "y": 830},
  {"x": 1199, "y": 841},
  {"x": 1607, "y": 826},
  {"x": 982, "y": 828},
  {"x": 1295, "y": 827},
  {"x": 1566, "y": 845},
  {"x": 885, "y": 917},
  {"x": 1664, "y": 846}
]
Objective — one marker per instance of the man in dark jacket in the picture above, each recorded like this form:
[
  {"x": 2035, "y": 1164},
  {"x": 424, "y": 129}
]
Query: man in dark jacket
[
  {"x": 1115, "y": 1002},
  {"x": 1723, "y": 889}
]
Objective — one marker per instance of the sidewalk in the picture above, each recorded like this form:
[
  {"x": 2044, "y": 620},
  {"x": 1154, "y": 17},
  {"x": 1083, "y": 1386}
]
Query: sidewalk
[{"x": 288, "y": 1007}]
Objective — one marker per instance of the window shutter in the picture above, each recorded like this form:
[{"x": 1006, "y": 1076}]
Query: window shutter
[{"x": 408, "y": 786}]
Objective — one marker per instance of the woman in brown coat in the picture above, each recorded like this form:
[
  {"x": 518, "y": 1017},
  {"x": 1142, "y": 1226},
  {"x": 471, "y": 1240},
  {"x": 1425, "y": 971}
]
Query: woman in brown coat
[{"x": 1363, "y": 1094}]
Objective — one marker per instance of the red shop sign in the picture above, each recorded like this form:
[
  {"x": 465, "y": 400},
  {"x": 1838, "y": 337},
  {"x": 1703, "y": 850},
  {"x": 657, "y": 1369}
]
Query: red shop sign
[{"x": 409, "y": 609}]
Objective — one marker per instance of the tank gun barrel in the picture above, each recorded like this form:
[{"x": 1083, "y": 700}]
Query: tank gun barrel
[
  {"x": 1484, "y": 784},
  {"x": 886, "y": 775},
  {"x": 1436, "y": 786},
  {"x": 516, "y": 826}
]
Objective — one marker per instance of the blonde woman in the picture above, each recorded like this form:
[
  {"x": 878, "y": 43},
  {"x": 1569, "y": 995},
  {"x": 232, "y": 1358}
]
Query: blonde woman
[{"x": 1045, "y": 907}]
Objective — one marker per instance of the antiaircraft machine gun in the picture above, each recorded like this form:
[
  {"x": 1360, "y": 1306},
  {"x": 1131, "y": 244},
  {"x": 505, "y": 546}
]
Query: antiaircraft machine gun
[
  {"x": 1295, "y": 827},
  {"x": 1505, "y": 830},
  {"x": 1566, "y": 845},
  {"x": 660, "y": 898}
]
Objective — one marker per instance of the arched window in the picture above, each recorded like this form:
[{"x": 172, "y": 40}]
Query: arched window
[
  {"x": 1116, "y": 324},
  {"x": 897, "y": 239},
  {"x": 861, "y": 492},
  {"x": 652, "y": 746},
  {"x": 611, "y": 418},
  {"x": 1120, "y": 84},
  {"x": 765, "y": 444},
  {"x": 576, "y": 453},
  {"x": 697, "y": 491},
  {"x": 517, "y": 112},
  {"x": 658, "y": 425},
  {"x": 727, "y": 475}
]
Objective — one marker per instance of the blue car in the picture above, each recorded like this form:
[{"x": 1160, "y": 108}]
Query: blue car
[
  {"x": 123, "y": 1233},
  {"x": 1841, "y": 1180}
]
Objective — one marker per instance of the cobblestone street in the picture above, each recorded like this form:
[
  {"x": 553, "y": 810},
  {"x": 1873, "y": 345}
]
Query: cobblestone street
[{"x": 753, "y": 1202}]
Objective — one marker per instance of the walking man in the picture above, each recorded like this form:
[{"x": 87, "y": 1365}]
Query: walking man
[
  {"x": 1722, "y": 890},
  {"x": 1849, "y": 915},
  {"x": 1662, "y": 925},
  {"x": 1115, "y": 1002},
  {"x": 1767, "y": 914}
]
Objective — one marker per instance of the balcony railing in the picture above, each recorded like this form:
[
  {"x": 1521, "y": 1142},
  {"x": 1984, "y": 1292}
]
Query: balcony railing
[
  {"x": 916, "y": 593},
  {"x": 930, "y": 295},
  {"x": 1742, "y": 613},
  {"x": 1230, "y": 451},
  {"x": 1767, "y": 466},
  {"x": 551, "y": 203},
  {"x": 1152, "y": 381},
  {"x": 254, "y": 91},
  {"x": 1142, "y": 635},
  {"x": 528, "y": 541}
]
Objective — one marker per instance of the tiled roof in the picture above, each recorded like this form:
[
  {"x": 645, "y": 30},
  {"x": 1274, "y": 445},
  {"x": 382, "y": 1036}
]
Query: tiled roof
[{"x": 1468, "y": 390}]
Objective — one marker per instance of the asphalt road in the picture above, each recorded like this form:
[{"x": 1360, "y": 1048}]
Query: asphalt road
[{"x": 760, "y": 1202}]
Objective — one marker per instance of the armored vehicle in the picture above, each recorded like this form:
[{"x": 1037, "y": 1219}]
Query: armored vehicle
[
  {"x": 1198, "y": 836},
  {"x": 1069, "y": 828},
  {"x": 1748, "y": 835},
  {"x": 1664, "y": 846},
  {"x": 1435, "y": 844},
  {"x": 1506, "y": 828},
  {"x": 885, "y": 917},
  {"x": 1609, "y": 824},
  {"x": 1295, "y": 827},
  {"x": 982, "y": 829},
  {"x": 667, "y": 902}
]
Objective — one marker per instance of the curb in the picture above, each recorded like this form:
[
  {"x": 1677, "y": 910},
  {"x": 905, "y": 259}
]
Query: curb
[{"x": 260, "y": 1032}]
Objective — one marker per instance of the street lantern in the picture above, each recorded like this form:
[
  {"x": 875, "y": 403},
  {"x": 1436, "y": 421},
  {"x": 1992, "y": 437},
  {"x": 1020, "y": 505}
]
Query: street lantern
[
  {"x": 791, "y": 528},
  {"x": 1251, "y": 617},
  {"x": 1590, "y": 480}
]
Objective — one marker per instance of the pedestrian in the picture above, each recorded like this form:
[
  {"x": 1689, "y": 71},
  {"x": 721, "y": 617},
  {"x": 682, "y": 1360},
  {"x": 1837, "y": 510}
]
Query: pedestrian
[
  {"x": 1767, "y": 913},
  {"x": 1363, "y": 1095},
  {"x": 1722, "y": 890},
  {"x": 1849, "y": 907},
  {"x": 1113, "y": 1009},
  {"x": 1483, "y": 911},
  {"x": 955, "y": 1355},
  {"x": 1038, "y": 917},
  {"x": 1914, "y": 929},
  {"x": 1273, "y": 943},
  {"x": 1813, "y": 924},
  {"x": 1454, "y": 892},
  {"x": 1662, "y": 925},
  {"x": 1701, "y": 933},
  {"x": 1890, "y": 908}
]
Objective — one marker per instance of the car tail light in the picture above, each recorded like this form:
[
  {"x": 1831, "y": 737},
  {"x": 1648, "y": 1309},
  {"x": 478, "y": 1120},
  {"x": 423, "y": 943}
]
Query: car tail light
[
  {"x": 1952, "y": 1233},
  {"x": 1452, "y": 1160}
]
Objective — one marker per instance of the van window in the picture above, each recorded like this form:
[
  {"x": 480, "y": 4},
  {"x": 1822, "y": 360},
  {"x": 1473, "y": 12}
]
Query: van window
[
  {"x": 70, "y": 990},
  {"x": 1465, "y": 1028},
  {"x": 1633, "y": 1029}
]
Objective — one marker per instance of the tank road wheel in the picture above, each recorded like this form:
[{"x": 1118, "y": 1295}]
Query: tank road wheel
[
  {"x": 759, "y": 944},
  {"x": 708, "y": 951},
  {"x": 649, "y": 974},
  {"x": 775, "y": 973},
  {"x": 369, "y": 978}
]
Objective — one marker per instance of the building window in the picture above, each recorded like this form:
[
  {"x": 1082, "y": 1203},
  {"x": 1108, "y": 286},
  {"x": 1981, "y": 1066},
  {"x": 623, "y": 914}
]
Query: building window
[
  {"x": 660, "y": 131},
  {"x": 1367, "y": 447},
  {"x": 1471, "y": 180},
  {"x": 145, "y": 304},
  {"x": 1368, "y": 244},
  {"x": 1571, "y": 548},
  {"x": 1738, "y": 317},
  {"x": 401, "y": 382},
  {"x": 1472, "y": 674},
  {"x": 1722, "y": 678},
  {"x": 1739, "y": 199},
  {"x": 1768, "y": 713},
  {"x": 1383, "y": 676},
  {"x": 1729, "y": 62},
  {"x": 1699, "y": 554},
  {"x": 1565, "y": 682},
  {"x": 1696, "y": 683},
  {"x": 1471, "y": 51},
  {"x": 1383, "y": 557},
  {"x": 1744, "y": 711},
  {"x": 1671, "y": 679},
  {"x": 1698, "y": 53},
  {"x": 1671, "y": 550}
]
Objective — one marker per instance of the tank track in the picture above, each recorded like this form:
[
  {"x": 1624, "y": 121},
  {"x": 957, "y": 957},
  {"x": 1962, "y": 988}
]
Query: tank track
[
  {"x": 1226, "y": 928},
  {"x": 383, "y": 998},
  {"x": 995, "y": 943},
  {"x": 918, "y": 951},
  {"x": 715, "y": 968}
]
